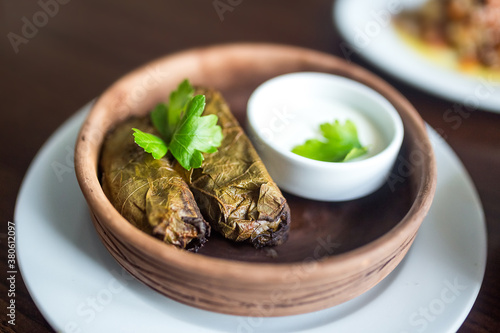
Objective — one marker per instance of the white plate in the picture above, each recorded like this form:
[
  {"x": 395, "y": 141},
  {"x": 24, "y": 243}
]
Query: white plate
[
  {"x": 79, "y": 287},
  {"x": 365, "y": 26}
]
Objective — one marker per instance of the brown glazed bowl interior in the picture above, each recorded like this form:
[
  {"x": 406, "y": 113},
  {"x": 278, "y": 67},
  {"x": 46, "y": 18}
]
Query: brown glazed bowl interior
[{"x": 335, "y": 252}]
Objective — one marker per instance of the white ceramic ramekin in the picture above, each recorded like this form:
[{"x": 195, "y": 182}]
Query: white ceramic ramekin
[{"x": 288, "y": 105}]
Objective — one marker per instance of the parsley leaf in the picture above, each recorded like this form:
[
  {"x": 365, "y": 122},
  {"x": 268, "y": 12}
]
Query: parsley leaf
[
  {"x": 150, "y": 143},
  {"x": 166, "y": 118},
  {"x": 159, "y": 119},
  {"x": 341, "y": 145},
  {"x": 195, "y": 135},
  {"x": 182, "y": 128},
  {"x": 178, "y": 102}
]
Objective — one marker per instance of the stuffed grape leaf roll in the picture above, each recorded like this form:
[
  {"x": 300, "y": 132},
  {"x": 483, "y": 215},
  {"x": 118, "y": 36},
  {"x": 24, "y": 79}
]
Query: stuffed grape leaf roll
[
  {"x": 149, "y": 193},
  {"x": 233, "y": 189}
]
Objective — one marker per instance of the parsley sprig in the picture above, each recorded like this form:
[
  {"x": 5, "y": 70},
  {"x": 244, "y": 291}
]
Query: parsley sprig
[
  {"x": 340, "y": 143},
  {"x": 183, "y": 130}
]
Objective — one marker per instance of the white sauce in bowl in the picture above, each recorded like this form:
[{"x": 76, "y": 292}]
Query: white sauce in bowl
[{"x": 289, "y": 125}]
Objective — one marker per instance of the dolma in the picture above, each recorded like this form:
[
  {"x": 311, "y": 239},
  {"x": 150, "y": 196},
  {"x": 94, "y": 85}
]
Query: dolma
[
  {"x": 149, "y": 193},
  {"x": 233, "y": 189}
]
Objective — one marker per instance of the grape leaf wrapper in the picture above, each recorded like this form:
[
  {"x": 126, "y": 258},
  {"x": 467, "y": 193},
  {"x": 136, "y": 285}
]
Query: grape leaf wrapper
[
  {"x": 233, "y": 189},
  {"x": 148, "y": 192}
]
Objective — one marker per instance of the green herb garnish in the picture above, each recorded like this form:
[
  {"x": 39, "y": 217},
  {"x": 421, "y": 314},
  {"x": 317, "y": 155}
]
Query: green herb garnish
[
  {"x": 182, "y": 128},
  {"x": 340, "y": 143}
]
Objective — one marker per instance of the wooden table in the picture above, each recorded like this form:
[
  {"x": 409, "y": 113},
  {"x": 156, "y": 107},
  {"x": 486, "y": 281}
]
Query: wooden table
[{"x": 78, "y": 48}]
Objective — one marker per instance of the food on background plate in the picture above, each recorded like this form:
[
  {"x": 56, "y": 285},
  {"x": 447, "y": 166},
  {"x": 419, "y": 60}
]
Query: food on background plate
[
  {"x": 470, "y": 27},
  {"x": 174, "y": 170}
]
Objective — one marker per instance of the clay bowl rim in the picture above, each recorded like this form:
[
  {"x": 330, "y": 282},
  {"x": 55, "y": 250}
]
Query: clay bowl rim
[{"x": 86, "y": 167}]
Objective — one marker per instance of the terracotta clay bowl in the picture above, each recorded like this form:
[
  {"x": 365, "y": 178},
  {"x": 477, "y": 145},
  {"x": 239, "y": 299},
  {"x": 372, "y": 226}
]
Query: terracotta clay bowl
[{"x": 335, "y": 252}]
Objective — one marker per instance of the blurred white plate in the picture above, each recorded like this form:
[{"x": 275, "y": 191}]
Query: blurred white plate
[
  {"x": 79, "y": 287},
  {"x": 366, "y": 28}
]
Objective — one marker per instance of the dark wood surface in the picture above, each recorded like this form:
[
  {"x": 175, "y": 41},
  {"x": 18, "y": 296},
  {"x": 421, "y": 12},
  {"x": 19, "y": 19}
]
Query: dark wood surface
[{"x": 83, "y": 46}]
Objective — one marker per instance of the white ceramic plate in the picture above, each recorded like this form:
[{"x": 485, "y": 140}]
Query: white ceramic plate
[
  {"x": 79, "y": 287},
  {"x": 365, "y": 26}
]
